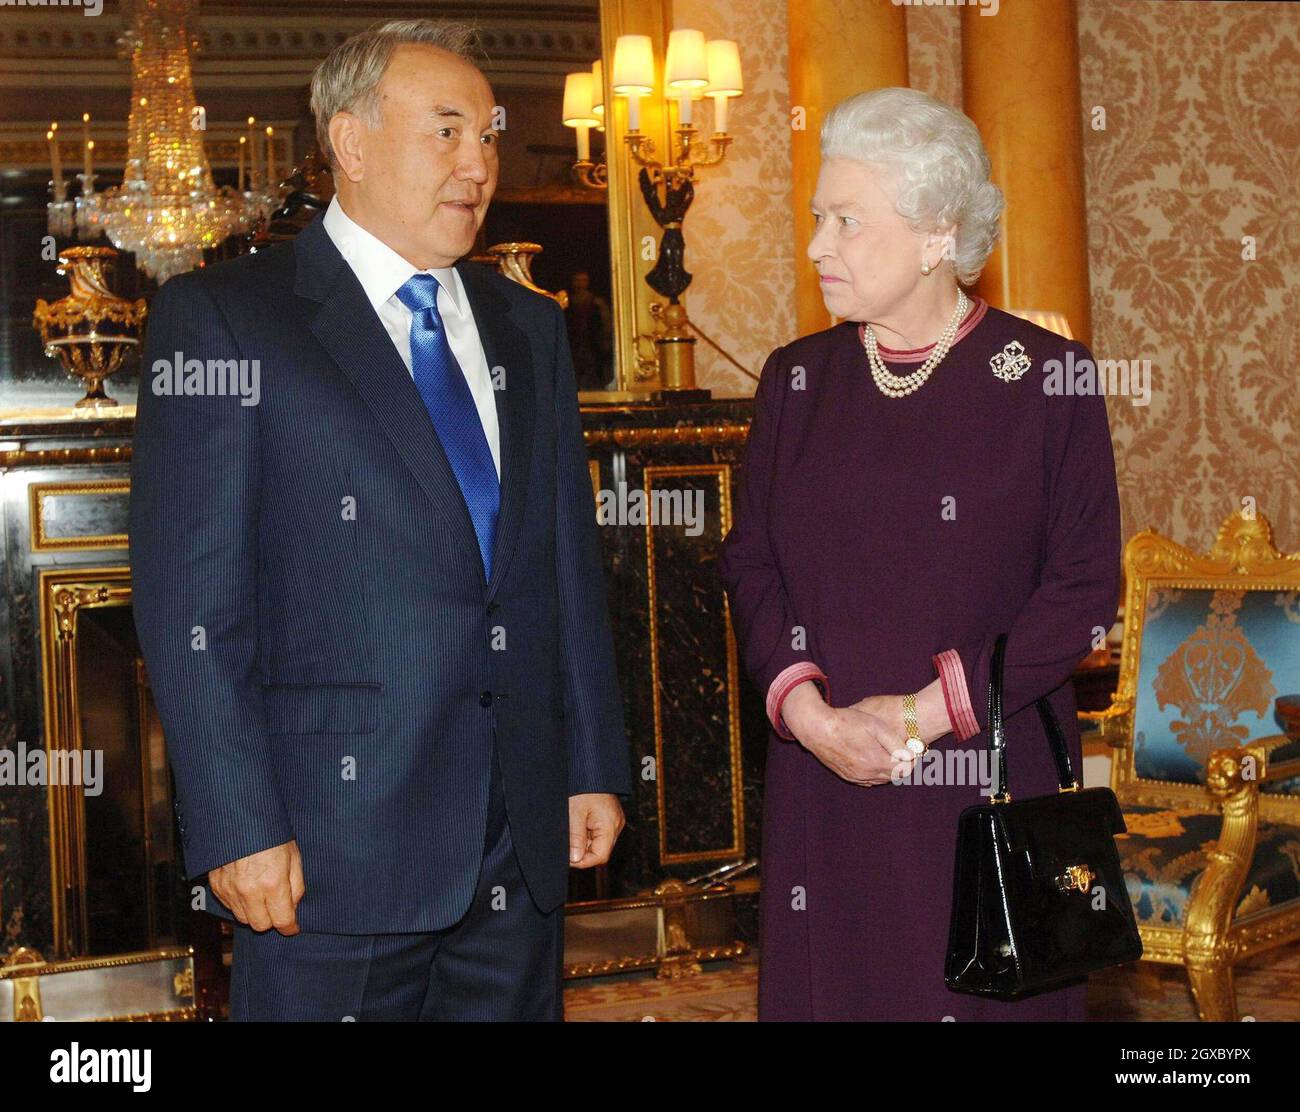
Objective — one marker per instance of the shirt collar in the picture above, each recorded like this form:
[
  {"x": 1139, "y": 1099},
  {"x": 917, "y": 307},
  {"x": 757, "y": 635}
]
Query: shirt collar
[{"x": 381, "y": 270}]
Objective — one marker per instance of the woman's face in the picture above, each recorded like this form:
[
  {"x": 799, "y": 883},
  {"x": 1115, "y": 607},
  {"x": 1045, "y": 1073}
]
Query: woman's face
[{"x": 868, "y": 257}]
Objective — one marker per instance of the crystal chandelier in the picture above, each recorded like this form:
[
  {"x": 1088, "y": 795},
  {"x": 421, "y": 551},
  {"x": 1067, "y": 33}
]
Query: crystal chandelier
[{"x": 167, "y": 209}]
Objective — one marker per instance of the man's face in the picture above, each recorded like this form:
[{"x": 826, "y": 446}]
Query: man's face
[{"x": 422, "y": 178}]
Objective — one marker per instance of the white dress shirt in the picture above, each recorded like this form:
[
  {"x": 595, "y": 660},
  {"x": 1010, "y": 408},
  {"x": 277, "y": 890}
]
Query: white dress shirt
[{"x": 382, "y": 272}]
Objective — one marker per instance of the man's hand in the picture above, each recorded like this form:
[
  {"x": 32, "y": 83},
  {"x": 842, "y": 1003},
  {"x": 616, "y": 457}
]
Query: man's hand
[
  {"x": 595, "y": 821},
  {"x": 263, "y": 889}
]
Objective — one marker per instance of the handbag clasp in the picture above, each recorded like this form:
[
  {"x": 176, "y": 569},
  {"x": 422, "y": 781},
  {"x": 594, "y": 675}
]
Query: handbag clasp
[{"x": 1076, "y": 877}]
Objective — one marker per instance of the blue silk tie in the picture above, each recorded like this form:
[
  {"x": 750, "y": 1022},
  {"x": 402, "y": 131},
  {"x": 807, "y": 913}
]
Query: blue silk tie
[{"x": 447, "y": 397}]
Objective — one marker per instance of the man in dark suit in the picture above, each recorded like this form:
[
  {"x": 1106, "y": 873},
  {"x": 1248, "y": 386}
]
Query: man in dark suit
[{"x": 367, "y": 580}]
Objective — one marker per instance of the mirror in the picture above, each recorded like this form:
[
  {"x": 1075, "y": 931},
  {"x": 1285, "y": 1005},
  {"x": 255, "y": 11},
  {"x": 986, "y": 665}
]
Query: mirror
[{"x": 257, "y": 59}]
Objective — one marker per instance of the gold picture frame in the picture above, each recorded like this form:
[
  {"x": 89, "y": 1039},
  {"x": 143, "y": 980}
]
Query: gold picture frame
[{"x": 64, "y": 594}]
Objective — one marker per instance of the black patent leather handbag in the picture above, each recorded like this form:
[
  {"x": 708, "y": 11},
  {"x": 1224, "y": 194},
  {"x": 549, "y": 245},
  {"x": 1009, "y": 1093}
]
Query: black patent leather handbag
[{"x": 1038, "y": 895}]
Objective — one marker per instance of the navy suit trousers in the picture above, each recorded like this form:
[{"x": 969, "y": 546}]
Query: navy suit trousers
[{"x": 502, "y": 961}]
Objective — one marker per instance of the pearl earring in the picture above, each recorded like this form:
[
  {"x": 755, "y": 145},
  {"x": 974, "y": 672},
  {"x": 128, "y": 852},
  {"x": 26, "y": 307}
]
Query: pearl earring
[{"x": 926, "y": 268}]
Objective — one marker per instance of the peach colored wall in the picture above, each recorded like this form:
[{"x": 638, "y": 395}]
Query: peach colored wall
[{"x": 1201, "y": 104}]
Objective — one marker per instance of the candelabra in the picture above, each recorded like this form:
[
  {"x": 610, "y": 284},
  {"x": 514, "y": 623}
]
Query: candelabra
[
  {"x": 693, "y": 68},
  {"x": 593, "y": 175}
]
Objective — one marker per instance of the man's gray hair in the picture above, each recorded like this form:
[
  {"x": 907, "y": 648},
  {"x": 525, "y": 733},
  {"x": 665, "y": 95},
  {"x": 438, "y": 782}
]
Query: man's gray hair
[
  {"x": 936, "y": 161},
  {"x": 348, "y": 79}
]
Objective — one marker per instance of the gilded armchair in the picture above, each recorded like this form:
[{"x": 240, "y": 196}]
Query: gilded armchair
[{"x": 1209, "y": 784}]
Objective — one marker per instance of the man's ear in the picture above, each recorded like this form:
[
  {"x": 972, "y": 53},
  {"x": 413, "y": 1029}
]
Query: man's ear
[{"x": 347, "y": 134}]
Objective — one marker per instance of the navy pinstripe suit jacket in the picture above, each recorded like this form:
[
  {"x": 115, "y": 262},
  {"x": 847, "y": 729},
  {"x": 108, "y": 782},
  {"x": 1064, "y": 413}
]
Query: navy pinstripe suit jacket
[{"x": 327, "y": 660}]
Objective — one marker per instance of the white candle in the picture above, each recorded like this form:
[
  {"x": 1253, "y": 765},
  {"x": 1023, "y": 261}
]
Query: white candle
[
  {"x": 584, "y": 142},
  {"x": 271, "y": 183},
  {"x": 634, "y": 112},
  {"x": 684, "y": 109},
  {"x": 243, "y": 146},
  {"x": 56, "y": 163},
  {"x": 725, "y": 78},
  {"x": 252, "y": 154}
]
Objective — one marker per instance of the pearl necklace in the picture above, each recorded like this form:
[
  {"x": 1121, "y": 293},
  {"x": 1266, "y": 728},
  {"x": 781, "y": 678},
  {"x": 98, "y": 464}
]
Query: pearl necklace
[{"x": 899, "y": 386}]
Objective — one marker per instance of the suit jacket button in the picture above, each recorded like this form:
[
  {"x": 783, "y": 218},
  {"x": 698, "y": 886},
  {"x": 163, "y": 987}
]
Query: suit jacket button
[{"x": 485, "y": 700}]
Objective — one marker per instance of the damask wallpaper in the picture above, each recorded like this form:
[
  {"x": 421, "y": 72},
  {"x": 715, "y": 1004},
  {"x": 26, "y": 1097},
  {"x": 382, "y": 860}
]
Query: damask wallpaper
[
  {"x": 739, "y": 244},
  {"x": 1193, "y": 194},
  {"x": 1201, "y": 149}
]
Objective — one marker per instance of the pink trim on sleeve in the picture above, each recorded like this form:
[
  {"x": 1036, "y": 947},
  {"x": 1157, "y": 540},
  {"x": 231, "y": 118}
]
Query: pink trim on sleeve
[
  {"x": 956, "y": 695},
  {"x": 786, "y": 682}
]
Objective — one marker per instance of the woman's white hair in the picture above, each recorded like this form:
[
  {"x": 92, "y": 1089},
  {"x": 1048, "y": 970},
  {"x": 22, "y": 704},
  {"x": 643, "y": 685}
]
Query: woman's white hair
[
  {"x": 937, "y": 161},
  {"x": 348, "y": 79}
]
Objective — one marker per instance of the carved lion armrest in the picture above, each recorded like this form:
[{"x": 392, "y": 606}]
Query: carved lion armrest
[{"x": 1264, "y": 760}]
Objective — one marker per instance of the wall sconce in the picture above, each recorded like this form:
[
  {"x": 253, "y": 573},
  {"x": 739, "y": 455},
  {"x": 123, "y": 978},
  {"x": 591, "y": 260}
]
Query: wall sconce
[
  {"x": 693, "y": 69},
  {"x": 580, "y": 95}
]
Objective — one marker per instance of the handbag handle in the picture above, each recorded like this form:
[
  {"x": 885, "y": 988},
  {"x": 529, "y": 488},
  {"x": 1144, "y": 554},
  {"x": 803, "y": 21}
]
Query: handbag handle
[{"x": 998, "y": 737}]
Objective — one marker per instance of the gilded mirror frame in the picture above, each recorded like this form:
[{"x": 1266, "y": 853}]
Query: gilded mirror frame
[{"x": 630, "y": 222}]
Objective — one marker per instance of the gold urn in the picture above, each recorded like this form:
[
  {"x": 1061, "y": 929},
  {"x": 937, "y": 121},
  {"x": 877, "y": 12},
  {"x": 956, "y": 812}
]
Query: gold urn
[{"x": 92, "y": 329}]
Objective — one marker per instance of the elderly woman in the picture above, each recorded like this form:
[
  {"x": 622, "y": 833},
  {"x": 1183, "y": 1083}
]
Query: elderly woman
[{"x": 909, "y": 492}]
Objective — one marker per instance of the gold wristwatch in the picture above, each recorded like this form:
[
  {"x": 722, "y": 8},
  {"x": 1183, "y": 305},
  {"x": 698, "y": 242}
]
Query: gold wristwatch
[{"x": 914, "y": 742}]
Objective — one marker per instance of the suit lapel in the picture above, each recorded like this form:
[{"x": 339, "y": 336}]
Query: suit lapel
[
  {"x": 349, "y": 329},
  {"x": 510, "y": 363}
]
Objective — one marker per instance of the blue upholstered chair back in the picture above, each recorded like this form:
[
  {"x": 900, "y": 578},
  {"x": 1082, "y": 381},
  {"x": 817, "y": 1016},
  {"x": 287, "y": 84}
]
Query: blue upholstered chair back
[{"x": 1213, "y": 662}]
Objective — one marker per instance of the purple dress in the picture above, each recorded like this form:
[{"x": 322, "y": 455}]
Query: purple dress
[{"x": 872, "y": 533}]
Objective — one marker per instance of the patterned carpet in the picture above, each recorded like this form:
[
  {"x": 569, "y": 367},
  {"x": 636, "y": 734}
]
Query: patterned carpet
[
  {"x": 726, "y": 992},
  {"x": 1268, "y": 988}
]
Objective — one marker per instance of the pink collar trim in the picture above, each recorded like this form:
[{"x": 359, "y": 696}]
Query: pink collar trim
[{"x": 918, "y": 355}]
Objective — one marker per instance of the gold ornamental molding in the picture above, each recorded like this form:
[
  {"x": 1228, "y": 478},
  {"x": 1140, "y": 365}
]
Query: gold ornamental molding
[
  {"x": 691, "y": 956},
  {"x": 676, "y": 954},
  {"x": 705, "y": 436},
  {"x": 40, "y": 493},
  {"x": 188, "y": 1014},
  {"x": 722, "y": 473},
  {"x": 183, "y": 985},
  {"x": 1268, "y": 933},
  {"x": 237, "y": 44},
  {"x": 63, "y": 595},
  {"x": 24, "y": 146},
  {"x": 47, "y": 457},
  {"x": 24, "y": 970}
]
